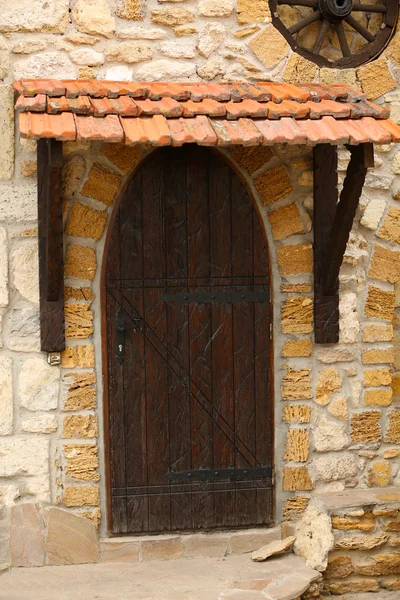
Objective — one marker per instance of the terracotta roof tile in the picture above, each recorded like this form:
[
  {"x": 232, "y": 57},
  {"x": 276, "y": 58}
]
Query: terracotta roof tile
[
  {"x": 197, "y": 130},
  {"x": 241, "y": 132},
  {"x": 35, "y": 104},
  {"x": 147, "y": 130},
  {"x": 90, "y": 129},
  {"x": 162, "y": 113},
  {"x": 168, "y": 107},
  {"x": 43, "y": 125},
  {"x": 285, "y": 130},
  {"x": 209, "y": 107}
]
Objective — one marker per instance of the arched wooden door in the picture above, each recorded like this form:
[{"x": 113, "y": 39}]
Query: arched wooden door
[{"x": 188, "y": 350}]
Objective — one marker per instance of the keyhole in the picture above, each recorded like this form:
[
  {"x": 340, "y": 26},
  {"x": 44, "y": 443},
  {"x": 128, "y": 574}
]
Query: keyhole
[{"x": 120, "y": 347}]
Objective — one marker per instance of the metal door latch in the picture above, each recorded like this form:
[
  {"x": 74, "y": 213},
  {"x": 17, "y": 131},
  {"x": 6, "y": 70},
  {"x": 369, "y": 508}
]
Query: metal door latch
[{"x": 120, "y": 336}]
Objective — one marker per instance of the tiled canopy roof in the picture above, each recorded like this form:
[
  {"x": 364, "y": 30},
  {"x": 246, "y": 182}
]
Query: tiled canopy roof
[{"x": 203, "y": 113}]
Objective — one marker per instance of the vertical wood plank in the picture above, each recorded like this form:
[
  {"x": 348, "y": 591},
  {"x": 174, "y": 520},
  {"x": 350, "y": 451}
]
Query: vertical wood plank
[
  {"x": 200, "y": 351},
  {"x": 178, "y": 334},
  {"x": 154, "y": 268},
  {"x": 51, "y": 250},
  {"x": 326, "y": 307}
]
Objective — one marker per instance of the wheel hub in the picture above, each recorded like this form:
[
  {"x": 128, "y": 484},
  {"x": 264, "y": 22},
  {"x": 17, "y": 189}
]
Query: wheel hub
[{"x": 335, "y": 10}]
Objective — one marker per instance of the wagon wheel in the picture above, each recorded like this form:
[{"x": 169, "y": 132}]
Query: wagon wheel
[{"x": 360, "y": 31}]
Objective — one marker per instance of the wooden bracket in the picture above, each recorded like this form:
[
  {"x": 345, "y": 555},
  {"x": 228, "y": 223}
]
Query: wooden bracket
[
  {"x": 332, "y": 225},
  {"x": 51, "y": 250}
]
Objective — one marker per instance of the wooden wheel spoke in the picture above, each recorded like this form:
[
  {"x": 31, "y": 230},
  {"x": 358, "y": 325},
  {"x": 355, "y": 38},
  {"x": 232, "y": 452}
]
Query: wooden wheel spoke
[
  {"x": 373, "y": 8},
  {"x": 344, "y": 46},
  {"x": 360, "y": 28},
  {"x": 321, "y": 36},
  {"x": 311, "y": 3},
  {"x": 305, "y": 22}
]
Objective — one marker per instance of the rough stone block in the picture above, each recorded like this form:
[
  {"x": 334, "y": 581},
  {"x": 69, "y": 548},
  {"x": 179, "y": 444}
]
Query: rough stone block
[
  {"x": 133, "y": 10},
  {"x": 297, "y": 413},
  {"x": 129, "y": 52},
  {"x": 360, "y": 542},
  {"x": 339, "y": 567},
  {"x": 102, "y": 184},
  {"x": 378, "y": 333},
  {"x": 80, "y": 393},
  {"x": 80, "y": 426},
  {"x": 299, "y": 70},
  {"x": 80, "y": 262},
  {"x": 297, "y": 315},
  {"x": 84, "y": 495},
  {"x": 6, "y": 131},
  {"x": 255, "y": 11},
  {"x": 215, "y": 8},
  {"x": 380, "y": 474},
  {"x": 269, "y": 46},
  {"x": 296, "y": 479},
  {"x": 332, "y": 467},
  {"x": 25, "y": 268},
  {"x": 385, "y": 264},
  {"x": 295, "y": 259},
  {"x": 365, "y": 523},
  {"x": 339, "y": 409},
  {"x": 162, "y": 549},
  {"x": 78, "y": 356},
  {"x": 285, "y": 221},
  {"x": 86, "y": 222},
  {"x": 124, "y": 157},
  {"x": 390, "y": 229},
  {"x": 79, "y": 293},
  {"x": 27, "y": 457},
  {"x": 375, "y": 78},
  {"x": 18, "y": 201},
  {"x": 118, "y": 550},
  {"x": 40, "y": 424},
  {"x": 348, "y": 587},
  {"x": 273, "y": 185},
  {"x": 82, "y": 461},
  {"x": 385, "y": 564},
  {"x": 296, "y": 385},
  {"x": 38, "y": 384},
  {"x": 93, "y": 17},
  {"x": 78, "y": 321},
  {"x": 294, "y": 508},
  {"x": 71, "y": 540},
  {"x": 26, "y": 537},
  {"x": 172, "y": 16},
  {"x": 6, "y": 396},
  {"x": 23, "y": 16},
  {"x": 380, "y": 397},
  {"x": 378, "y": 356},
  {"x": 293, "y": 348},
  {"x": 252, "y": 158},
  {"x": 393, "y": 431},
  {"x": 329, "y": 381},
  {"x": 392, "y": 526},
  {"x": 365, "y": 426},
  {"x": 297, "y": 445}
]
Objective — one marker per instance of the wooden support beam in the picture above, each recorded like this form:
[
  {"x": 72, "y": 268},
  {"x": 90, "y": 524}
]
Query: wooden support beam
[
  {"x": 345, "y": 213},
  {"x": 326, "y": 306},
  {"x": 332, "y": 225},
  {"x": 51, "y": 251}
]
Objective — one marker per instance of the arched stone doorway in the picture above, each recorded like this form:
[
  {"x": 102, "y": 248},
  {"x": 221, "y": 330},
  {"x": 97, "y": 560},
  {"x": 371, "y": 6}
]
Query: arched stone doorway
[{"x": 188, "y": 377}]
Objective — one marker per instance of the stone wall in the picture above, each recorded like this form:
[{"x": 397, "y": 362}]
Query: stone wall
[{"x": 337, "y": 407}]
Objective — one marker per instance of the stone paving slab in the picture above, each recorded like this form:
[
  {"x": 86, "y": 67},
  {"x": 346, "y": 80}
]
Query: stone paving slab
[{"x": 197, "y": 579}]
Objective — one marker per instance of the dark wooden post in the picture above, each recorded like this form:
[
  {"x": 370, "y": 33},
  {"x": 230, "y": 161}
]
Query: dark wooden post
[
  {"x": 51, "y": 251},
  {"x": 326, "y": 306},
  {"x": 332, "y": 226}
]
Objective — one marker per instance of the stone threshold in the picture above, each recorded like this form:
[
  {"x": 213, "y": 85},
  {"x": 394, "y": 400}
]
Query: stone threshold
[
  {"x": 189, "y": 546},
  {"x": 285, "y": 577}
]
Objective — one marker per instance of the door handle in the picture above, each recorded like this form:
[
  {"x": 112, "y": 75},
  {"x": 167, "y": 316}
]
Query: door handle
[{"x": 120, "y": 336}]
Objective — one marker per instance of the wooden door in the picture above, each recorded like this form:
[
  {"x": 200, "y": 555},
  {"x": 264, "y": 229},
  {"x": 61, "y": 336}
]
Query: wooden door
[{"x": 188, "y": 349}]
